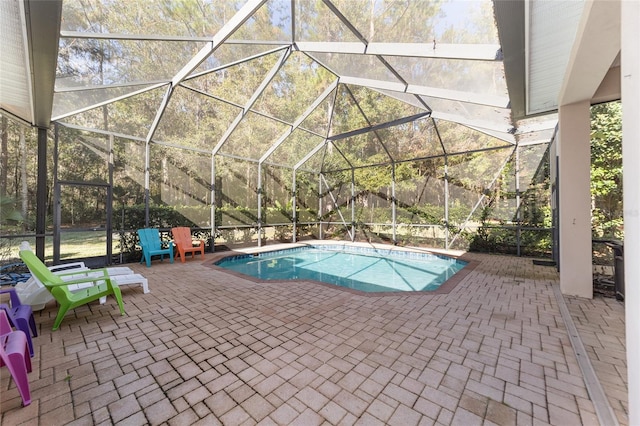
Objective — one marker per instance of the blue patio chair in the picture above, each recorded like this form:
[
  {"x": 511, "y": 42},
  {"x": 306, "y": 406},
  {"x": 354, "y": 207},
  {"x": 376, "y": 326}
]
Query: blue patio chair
[{"x": 152, "y": 245}]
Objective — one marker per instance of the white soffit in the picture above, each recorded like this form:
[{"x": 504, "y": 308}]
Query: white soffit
[
  {"x": 551, "y": 30},
  {"x": 597, "y": 47},
  {"x": 15, "y": 86}
]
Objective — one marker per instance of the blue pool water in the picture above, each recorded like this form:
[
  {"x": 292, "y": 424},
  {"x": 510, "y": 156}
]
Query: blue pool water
[{"x": 364, "y": 269}]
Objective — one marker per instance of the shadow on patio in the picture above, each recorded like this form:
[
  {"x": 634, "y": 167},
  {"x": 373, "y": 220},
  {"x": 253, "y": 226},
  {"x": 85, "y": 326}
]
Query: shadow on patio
[{"x": 212, "y": 348}]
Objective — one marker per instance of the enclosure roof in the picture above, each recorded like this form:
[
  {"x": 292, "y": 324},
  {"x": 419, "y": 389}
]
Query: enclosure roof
[{"x": 441, "y": 60}]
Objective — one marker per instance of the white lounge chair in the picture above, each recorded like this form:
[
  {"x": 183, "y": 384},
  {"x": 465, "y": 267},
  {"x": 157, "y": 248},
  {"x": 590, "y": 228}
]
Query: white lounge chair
[{"x": 34, "y": 293}]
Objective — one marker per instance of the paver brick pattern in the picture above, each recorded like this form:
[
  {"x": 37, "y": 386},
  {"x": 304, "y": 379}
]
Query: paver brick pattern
[{"x": 208, "y": 347}]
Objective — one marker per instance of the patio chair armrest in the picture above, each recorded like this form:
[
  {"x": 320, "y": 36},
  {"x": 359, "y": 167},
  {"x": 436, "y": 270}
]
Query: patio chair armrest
[
  {"x": 84, "y": 272},
  {"x": 83, "y": 281}
]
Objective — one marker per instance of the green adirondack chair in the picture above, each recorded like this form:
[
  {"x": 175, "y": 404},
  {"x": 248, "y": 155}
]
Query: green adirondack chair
[
  {"x": 91, "y": 288},
  {"x": 152, "y": 245}
]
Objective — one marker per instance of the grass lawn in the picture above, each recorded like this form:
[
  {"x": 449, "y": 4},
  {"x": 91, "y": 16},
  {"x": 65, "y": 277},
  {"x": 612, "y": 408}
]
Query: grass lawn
[{"x": 72, "y": 245}]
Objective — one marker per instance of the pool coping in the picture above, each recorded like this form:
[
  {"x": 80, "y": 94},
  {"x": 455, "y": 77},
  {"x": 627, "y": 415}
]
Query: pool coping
[{"x": 444, "y": 288}]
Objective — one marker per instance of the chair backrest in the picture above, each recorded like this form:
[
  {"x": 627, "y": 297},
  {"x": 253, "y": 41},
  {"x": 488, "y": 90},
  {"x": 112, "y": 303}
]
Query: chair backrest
[
  {"x": 13, "y": 295},
  {"x": 150, "y": 238},
  {"x": 182, "y": 236},
  {"x": 5, "y": 327},
  {"x": 38, "y": 269},
  {"x": 15, "y": 355}
]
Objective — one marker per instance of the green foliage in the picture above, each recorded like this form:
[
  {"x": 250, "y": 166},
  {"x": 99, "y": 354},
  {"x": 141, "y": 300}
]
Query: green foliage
[
  {"x": 237, "y": 216},
  {"x": 162, "y": 217},
  {"x": 606, "y": 170},
  {"x": 493, "y": 239},
  {"x": 279, "y": 213},
  {"x": 425, "y": 214},
  {"x": 9, "y": 215},
  {"x": 480, "y": 241}
]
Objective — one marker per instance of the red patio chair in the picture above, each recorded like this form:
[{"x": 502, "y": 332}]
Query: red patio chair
[{"x": 184, "y": 242}]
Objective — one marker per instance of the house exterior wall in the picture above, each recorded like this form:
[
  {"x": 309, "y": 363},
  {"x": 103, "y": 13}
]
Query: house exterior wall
[
  {"x": 630, "y": 33},
  {"x": 576, "y": 276}
]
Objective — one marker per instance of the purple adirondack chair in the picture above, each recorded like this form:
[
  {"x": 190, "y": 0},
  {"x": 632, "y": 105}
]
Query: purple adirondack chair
[
  {"x": 14, "y": 354},
  {"x": 20, "y": 316}
]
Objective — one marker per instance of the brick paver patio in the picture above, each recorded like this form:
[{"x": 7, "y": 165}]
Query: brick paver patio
[{"x": 206, "y": 347}]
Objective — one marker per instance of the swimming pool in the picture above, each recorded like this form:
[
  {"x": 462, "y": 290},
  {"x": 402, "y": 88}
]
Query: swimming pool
[{"x": 359, "y": 268}]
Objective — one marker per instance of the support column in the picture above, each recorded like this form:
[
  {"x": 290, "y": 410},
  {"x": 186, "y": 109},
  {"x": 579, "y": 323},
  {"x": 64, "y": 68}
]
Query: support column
[
  {"x": 576, "y": 276},
  {"x": 353, "y": 205},
  {"x": 320, "y": 233},
  {"x": 631, "y": 197},
  {"x": 56, "y": 195},
  {"x": 147, "y": 189},
  {"x": 394, "y": 203},
  {"x": 41, "y": 194},
  {"x": 212, "y": 213},
  {"x": 294, "y": 206},
  {"x": 446, "y": 202},
  {"x": 259, "y": 224},
  {"x": 518, "y": 206},
  {"x": 109, "y": 224}
]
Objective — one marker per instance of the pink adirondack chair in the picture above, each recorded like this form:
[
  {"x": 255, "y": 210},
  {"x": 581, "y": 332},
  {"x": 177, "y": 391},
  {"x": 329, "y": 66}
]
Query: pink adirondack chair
[
  {"x": 14, "y": 353},
  {"x": 20, "y": 316}
]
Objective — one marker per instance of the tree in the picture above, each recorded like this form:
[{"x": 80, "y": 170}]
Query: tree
[
  {"x": 9, "y": 217},
  {"x": 606, "y": 170}
]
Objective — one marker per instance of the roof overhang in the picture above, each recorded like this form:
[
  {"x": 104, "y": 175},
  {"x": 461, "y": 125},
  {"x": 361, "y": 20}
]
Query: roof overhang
[
  {"x": 29, "y": 35},
  {"x": 594, "y": 54},
  {"x": 558, "y": 52}
]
